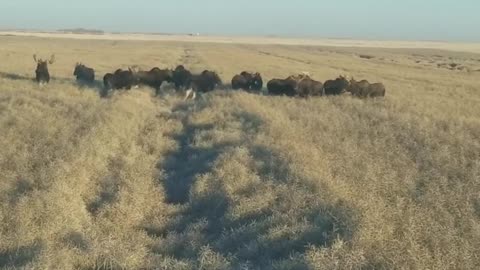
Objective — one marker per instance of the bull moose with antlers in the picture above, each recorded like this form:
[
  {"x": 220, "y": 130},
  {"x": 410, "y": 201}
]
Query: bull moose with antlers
[{"x": 41, "y": 73}]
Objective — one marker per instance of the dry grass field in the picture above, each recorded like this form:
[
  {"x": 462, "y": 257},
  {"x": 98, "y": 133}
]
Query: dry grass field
[{"x": 237, "y": 180}]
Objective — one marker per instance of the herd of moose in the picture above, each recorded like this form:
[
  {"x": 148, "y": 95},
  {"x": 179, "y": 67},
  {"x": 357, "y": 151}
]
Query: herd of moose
[{"x": 301, "y": 85}]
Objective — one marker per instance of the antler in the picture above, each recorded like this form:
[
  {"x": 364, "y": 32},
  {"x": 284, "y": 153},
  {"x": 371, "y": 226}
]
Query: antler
[
  {"x": 35, "y": 58},
  {"x": 52, "y": 59}
]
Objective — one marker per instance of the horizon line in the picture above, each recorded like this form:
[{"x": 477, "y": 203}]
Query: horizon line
[{"x": 92, "y": 31}]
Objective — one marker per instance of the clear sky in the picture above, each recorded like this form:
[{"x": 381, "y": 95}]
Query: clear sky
[{"x": 456, "y": 20}]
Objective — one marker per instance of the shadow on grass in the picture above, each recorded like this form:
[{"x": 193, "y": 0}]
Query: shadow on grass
[
  {"x": 108, "y": 194},
  {"x": 190, "y": 159},
  {"x": 16, "y": 77},
  {"x": 76, "y": 240},
  {"x": 183, "y": 166},
  {"x": 96, "y": 85},
  {"x": 109, "y": 187},
  {"x": 19, "y": 257},
  {"x": 281, "y": 231},
  {"x": 22, "y": 187}
]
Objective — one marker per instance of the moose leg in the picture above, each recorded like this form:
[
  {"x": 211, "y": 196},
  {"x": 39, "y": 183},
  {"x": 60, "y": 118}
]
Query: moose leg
[{"x": 188, "y": 94}]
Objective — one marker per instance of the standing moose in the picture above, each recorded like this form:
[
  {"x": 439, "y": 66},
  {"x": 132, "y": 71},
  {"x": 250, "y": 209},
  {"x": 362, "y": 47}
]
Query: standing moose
[
  {"x": 41, "y": 73},
  {"x": 84, "y": 74}
]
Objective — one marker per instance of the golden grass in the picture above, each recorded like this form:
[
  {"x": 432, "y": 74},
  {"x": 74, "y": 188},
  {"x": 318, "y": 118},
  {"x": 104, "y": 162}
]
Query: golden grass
[{"x": 234, "y": 180}]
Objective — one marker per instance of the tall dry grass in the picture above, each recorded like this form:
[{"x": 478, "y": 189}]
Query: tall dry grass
[{"x": 234, "y": 180}]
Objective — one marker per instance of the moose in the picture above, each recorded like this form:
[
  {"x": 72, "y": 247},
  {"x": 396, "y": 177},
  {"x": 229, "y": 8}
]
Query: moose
[
  {"x": 84, "y": 74},
  {"x": 42, "y": 76}
]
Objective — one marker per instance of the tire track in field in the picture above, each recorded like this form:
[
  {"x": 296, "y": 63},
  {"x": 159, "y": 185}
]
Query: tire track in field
[
  {"x": 186, "y": 162},
  {"x": 189, "y": 57},
  {"x": 232, "y": 189},
  {"x": 128, "y": 190},
  {"x": 309, "y": 63},
  {"x": 289, "y": 58}
]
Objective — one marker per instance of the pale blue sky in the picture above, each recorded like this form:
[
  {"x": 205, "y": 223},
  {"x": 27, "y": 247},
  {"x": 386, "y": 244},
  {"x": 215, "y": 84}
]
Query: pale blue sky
[{"x": 457, "y": 20}]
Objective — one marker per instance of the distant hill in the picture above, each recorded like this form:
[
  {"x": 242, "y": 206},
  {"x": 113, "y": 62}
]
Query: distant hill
[{"x": 82, "y": 31}]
